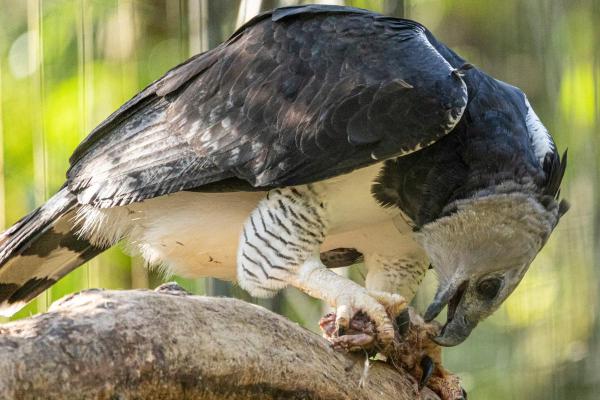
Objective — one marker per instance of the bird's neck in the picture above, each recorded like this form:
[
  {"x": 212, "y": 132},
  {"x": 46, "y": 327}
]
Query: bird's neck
[{"x": 460, "y": 166}]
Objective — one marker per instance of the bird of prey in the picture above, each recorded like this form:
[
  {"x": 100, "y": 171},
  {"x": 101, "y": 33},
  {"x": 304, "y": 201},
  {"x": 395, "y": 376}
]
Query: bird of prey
[{"x": 313, "y": 135}]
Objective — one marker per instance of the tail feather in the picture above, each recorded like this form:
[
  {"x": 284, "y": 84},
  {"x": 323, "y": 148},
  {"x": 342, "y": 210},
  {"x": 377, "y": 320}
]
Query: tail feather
[{"x": 39, "y": 250}]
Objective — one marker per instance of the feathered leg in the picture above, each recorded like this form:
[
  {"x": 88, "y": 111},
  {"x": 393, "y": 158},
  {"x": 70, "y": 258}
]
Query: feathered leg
[
  {"x": 394, "y": 274},
  {"x": 279, "y": 246}
]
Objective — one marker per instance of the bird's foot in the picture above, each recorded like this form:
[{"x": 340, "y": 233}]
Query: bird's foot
[
  {"x": 353, "y": 328},
  {"x": 411, "y": 350},
  {"x": 422, "y": 358},
  {"x": 360, "y": 334}
]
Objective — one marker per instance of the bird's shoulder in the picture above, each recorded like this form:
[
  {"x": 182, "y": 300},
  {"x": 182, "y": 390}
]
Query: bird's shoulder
[{"x": 295, "y": 96}]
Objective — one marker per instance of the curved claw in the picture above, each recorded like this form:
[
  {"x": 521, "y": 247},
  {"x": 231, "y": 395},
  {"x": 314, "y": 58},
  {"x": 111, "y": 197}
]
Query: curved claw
[
  {"x": 403, "y": 323},
  {"x": 427, "y": 365}
]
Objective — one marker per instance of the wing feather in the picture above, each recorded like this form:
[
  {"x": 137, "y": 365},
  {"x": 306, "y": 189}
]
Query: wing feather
[{"x": 295, "y": 96}]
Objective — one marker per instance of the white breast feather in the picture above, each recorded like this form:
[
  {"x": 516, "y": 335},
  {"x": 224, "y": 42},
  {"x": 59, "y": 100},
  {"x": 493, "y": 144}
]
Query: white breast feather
[{"x": 540, "y": 138}]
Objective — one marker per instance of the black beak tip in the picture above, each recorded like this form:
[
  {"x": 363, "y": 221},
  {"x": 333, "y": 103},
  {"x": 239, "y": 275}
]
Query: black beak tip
[
  {"x": 438, "y": 340},
  {"x": 449, "y": 339},
  {"x": 445, "y": 341}
]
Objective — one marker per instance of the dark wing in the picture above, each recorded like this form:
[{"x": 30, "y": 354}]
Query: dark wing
[{"x": 295, "y": 96}]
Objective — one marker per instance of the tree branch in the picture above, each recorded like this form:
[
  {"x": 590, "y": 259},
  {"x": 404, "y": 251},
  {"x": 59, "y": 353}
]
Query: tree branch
[{"x": 167, "y": 344}]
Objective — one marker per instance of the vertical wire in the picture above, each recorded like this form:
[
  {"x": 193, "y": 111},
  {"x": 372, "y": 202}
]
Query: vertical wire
[
  {"x": 44, "y": 142},
  {"x": 247, "y": 10},
  {"x": 197, "y": 26},
  {"x": 88, "y": 54},
  {"x": 197, "y": 11},
  {"x": 81, "y": 67},
  {"x": 212, "y": 286},
  {"x": 182, "y": 52},
  {"x": 85, "y": 77},
  {"x": 138, "y": 274},
  {"x": 2, "y": 191},
  {"x": 594, "y": 361},
  {"x": 204, "y": 15},
  {"x": 2, "y": 183},
  {"x": 194, "y": 26},
  {"x": 39, "y": 139},
  {"x": 241, "y": 17},
  {"x": 173, "y": 21},
  {"x": 40, "y": 159}
]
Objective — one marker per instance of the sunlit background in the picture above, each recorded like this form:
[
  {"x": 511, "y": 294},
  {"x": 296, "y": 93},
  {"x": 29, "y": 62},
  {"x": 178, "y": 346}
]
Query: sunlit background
[{"x": 66, "y": 64}]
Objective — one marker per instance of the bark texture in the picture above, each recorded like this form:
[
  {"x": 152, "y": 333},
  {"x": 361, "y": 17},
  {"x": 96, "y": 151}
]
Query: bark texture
[{"x": 167, "y": 344}]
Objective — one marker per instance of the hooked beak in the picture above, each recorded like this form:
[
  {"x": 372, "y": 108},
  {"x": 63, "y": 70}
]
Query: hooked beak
[{"x": 457, "y": 327}]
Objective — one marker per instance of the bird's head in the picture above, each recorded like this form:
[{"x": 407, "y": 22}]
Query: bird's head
[{"x": 480, "y": 250}]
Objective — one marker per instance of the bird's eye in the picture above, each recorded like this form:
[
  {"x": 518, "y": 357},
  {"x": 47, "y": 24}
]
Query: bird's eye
[{"x": 489, "y": 288}]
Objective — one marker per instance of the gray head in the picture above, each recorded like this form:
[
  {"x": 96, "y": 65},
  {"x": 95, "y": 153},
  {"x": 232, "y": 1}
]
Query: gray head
[{"x": 481, "y": 251}]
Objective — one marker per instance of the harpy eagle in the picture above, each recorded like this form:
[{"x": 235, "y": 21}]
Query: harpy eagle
[{"x": 315, "y": 133}]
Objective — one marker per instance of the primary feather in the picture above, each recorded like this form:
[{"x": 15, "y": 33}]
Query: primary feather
[{"x": 301, "y": 96}]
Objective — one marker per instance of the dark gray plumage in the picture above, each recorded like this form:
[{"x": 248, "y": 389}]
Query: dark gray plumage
[{"x": 295, "y": 97}]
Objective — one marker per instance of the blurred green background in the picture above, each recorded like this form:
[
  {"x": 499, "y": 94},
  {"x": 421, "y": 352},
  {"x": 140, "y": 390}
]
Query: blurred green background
[{"x": 66, "y": 64}]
